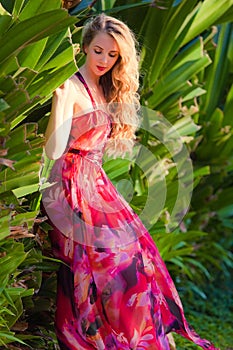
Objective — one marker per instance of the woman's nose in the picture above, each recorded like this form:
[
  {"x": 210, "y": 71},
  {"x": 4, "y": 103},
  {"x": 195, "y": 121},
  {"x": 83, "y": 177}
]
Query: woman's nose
[{"x": 104, "y": 58}]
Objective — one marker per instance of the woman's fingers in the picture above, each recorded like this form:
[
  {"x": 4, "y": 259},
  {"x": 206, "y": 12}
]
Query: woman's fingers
[{"x": 62, "y": 90}]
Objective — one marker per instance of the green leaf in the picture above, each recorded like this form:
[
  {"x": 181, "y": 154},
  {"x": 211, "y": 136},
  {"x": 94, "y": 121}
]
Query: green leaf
[
  {"x": 175, "y": 79},
  {"x": 196, "y": 92},
  {"x": 30, "y": 55},
  {"x": 116, "y": 168},
  {"x": 186, "y": 126},
  {"x": 33, "y": 29},
  {"x": 25, "y": 190},
  {"x": 34, "y": 8},
  {"x": 60, "y": 60},
  {"x": 14, "y": 183},
  {"x": 3, "y": 105},
  {"x": 228, "y": 108},
  {"x": 48, "y": 81},
  {"x": 12, "y": 259},
  {"x": 9, "y": 336},
  {"x": 27, "y": 217},
  {"x": 218, "y": 72},
  {"x": 207, "y": 14},
  {"x": 53, "y": 42},
  {"x": 167, "y": 45},
  {"x": 5, "y": 19}
]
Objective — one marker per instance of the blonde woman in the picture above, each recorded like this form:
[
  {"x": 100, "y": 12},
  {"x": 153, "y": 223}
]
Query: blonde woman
[{"x": 114, "y": 291}]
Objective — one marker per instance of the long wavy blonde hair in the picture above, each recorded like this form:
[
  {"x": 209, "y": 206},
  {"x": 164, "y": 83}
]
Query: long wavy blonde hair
[{"x": 120, "y": 84}]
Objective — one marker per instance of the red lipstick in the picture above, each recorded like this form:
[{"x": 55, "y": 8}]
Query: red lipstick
[{"x": 101, "y": 68}]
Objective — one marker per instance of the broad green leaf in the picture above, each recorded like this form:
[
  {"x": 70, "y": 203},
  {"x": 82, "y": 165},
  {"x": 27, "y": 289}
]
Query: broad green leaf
[
  {"x": 165, "y": 45},
  {"x": 117, "y": 167},
  {"x": 9, "y": 299},
  {"x": 218, "y": 72},
  {"x": 19, "y": 181},
  {"x": 27, "y": 217},
  {"x": 18, "y": 291},
  {"x": 179, "y": 252},
  {"x": 228, "y": 108},
  {"x": 203, "y": 171},
  {"x": 34, "y": 8},
  {"x": 19, "y": 102},
  {"x": 8, "y": 83},
  {"x": 4, "y": 227},
  {"x": 52, "y": 44},
  {"x": 48, "y": 81},
  {"x": 5, "y": 20},
  {"x": 8, "y": 67},
  {"x": 12, "y": 259},
  {"x": 31, "y": 54},
  {"x": 18, "y": 5},
  {"x": 25, "y": 190},
  {"x": 196, "y": 92},
  {"x": 60, "y": 60},
  {"x": 33, "y": 29},
  {"x": 129, "y": 6},
  {"x": 22, "y": 135},
  {"x": 185, "y": 126},
  {"x": 226, "y": 17},
  {"x": 207, "y": 15},
  {"x": 17, "y": 121},
  {"x": 3, "y": 104},
  {"x": 192, "y": 52},
  {"x": 149, "y": 34},
  {"x": 176, "y": 79},
  {"x": 25, "y": 164},
  {"x": 215, "y": 124},
  {"x": 11, "y": 337}
]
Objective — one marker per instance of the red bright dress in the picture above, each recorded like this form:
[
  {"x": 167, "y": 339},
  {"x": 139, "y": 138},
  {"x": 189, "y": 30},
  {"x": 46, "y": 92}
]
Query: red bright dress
[{"x": 114, "y": 290}]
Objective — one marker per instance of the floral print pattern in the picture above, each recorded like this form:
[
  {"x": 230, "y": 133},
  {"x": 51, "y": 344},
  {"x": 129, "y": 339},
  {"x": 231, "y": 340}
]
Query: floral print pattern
[{"x": 114, "y": 290}]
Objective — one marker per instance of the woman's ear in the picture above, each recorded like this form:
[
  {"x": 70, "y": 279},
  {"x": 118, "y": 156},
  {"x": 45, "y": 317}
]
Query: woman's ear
[{"x": 84, "y": 49}]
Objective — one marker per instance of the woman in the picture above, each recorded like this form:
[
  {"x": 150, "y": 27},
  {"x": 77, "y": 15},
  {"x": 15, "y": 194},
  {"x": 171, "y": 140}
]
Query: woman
[{"x": 114, "y": 291}]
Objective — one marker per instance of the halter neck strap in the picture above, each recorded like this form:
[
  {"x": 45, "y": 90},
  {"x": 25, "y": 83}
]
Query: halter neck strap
[{"x": 79, "y": 75}]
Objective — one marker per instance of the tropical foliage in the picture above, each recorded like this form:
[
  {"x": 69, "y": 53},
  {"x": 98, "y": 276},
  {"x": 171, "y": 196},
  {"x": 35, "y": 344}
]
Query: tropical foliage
[
  {"x": 36, "y": 56},
  {"x": 187, "y": 98}
]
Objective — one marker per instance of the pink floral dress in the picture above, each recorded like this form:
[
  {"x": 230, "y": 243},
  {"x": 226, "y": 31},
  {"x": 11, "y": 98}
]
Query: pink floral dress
[{"x": 114, "y": 290}]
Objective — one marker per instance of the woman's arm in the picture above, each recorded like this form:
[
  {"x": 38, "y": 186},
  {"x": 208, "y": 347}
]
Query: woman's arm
[{"x": 58, "y": 129}]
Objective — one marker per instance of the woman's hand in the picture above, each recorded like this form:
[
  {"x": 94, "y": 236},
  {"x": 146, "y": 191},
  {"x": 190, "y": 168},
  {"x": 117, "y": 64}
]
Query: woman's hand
[
  {"x": 62, "y": 91},
  {"x": 58, "y": 129}
]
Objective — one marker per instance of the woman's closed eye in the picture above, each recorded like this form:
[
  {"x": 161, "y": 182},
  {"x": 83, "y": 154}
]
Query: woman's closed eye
[{"x": 112, "y": 55}]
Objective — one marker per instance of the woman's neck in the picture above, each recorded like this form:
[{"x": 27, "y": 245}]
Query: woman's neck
[
  {"x": 89, "y": 76},
  {"x": 93, "y": 83}
]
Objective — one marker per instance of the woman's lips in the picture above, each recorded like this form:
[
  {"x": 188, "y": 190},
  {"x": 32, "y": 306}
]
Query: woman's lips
[{"x": 101, "y": 69}]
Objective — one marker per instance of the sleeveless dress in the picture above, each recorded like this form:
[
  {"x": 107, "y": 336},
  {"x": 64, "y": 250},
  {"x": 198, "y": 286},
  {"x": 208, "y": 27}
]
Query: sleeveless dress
[{"x": 114, "y": 290}]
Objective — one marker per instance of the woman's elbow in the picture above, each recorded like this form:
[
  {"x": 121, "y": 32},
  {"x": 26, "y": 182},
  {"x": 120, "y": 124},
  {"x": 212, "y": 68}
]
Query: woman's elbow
[{"x": 53, "y": 152}]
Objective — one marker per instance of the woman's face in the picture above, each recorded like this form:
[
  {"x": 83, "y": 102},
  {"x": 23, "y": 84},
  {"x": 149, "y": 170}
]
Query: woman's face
[{"x": 101, "y": 54}]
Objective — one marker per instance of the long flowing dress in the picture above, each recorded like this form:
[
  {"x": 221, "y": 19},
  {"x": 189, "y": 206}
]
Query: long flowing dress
[{"x": 114, "y": 290}]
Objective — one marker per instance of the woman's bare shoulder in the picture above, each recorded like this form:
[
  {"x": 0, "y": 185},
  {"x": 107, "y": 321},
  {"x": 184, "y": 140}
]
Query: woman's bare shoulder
[
  {"x": 75, "y": 84},
  {"x": 80, "y": 96}
]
